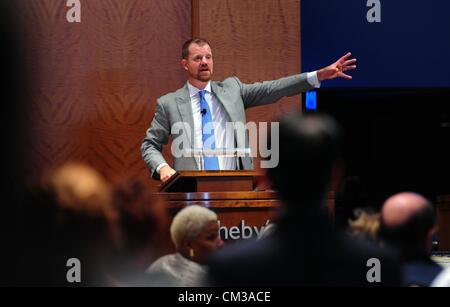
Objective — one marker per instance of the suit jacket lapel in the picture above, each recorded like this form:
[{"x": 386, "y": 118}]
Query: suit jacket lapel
[
  {"x": 220, "y": 94},
  {"x": 185, "y": 109}
]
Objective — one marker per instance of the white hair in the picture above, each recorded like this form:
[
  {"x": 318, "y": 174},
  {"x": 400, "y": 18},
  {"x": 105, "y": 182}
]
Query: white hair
[{"x": 189, "y": 223}]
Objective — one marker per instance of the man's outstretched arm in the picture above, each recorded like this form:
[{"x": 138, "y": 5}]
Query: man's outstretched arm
[{"x": 266, "y": 92}]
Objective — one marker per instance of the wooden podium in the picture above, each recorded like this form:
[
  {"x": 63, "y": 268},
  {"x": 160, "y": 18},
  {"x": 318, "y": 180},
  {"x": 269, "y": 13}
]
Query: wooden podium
[{"x": 241, "y": 199}]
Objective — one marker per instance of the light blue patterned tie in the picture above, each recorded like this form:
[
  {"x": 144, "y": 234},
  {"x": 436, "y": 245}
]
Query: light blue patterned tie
[{"x": 209, "y": 141}]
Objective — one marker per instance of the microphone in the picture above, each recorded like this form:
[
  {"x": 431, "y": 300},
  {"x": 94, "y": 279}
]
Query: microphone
[{"x": 203, "y": 111}]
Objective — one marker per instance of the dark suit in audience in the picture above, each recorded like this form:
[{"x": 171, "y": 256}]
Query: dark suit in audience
[
  {"x": 407, "y": 223},
  {"x": 304, "y": 250}
]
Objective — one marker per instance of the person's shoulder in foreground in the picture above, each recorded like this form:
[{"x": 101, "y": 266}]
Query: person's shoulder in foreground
[{"x": 318, "y": 261}]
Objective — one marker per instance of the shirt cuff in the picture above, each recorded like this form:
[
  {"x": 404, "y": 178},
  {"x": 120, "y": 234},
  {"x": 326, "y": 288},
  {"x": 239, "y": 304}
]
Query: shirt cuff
[
  {"x": 160, "y": 167},
  {"x": 312, "y": 79}
]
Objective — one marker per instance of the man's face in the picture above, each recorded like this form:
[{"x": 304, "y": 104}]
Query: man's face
[{"x": 199, "y": 64}]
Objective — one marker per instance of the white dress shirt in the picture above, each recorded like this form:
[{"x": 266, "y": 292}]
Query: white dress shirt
[{"x": 220, "y": 118}]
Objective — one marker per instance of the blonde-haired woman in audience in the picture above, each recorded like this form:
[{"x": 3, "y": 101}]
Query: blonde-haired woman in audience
[
  {"x": 195, "y": 234},
  {"x": 70, "y": 216},
  {"x": 365, "y": 225}
]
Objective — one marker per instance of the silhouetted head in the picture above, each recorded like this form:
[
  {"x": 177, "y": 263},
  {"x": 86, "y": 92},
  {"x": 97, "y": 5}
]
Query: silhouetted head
[
  {"x": 407, "y": 222},
  {"x": 70, "y": 215},
  {"x": 142, "y": 219},
  {"x": 309, "y": 149}
]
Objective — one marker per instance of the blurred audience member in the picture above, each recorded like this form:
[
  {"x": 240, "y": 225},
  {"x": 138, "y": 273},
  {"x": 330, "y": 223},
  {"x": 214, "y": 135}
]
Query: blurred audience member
[
  {"x": 365, "y": 225},
  {"x": 304, "y": 250},
  {"x": 70, "y": 216},
  {"x": 267, "y": 231},
  {"x": 14, "y": 92},
  {"x": 350, "y": 195},
  {"x": 142, "y": 222},
  {"x": 195, "y": 234},
  {"x": 408, "y": 223}
]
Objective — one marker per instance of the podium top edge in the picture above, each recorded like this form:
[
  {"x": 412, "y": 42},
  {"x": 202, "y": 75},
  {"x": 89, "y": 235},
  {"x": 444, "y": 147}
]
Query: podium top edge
[{"x": 249, "y": 173}]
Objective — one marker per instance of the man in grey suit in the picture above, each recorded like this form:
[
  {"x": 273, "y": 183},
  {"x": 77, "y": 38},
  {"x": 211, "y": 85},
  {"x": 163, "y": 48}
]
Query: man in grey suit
[{"x": 182, "y": 113}]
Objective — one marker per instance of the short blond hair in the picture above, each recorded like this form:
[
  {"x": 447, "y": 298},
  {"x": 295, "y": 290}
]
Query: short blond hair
[
  {"x": 365, "y": 225},
  {"x": 81, "y": 189},
  {"x": 189, "y": 223}
]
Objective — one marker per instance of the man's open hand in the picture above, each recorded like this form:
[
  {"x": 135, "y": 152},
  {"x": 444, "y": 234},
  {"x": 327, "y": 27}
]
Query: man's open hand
[
  {"x": 166, "y": 172},
  {"x": 337, "y": 69}
]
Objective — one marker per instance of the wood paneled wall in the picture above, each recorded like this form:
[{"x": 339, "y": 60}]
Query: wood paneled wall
[
  {"x": 95, "y": 83},
  {"x": 254, "y": 40}
]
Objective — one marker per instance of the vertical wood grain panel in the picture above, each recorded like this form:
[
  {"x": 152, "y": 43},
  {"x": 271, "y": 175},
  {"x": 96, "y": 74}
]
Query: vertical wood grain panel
[{"x": 96, "y": 82}]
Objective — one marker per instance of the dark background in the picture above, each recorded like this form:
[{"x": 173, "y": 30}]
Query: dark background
[
  {"x": 410, "y": 47},
  {"x": 395, "y": 111},
  {"x": 395, "y": 139}
]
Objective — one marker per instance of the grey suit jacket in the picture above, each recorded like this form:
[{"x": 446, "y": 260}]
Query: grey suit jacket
[{"x": 235, "y": 96}]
